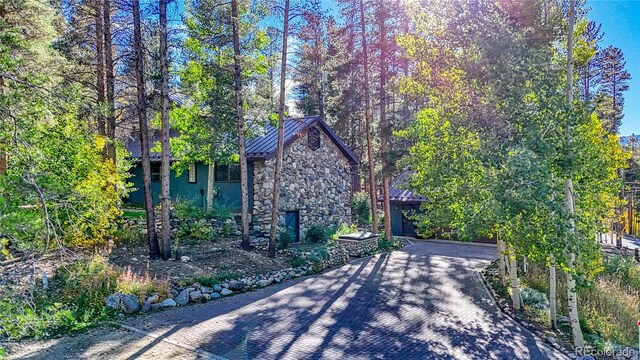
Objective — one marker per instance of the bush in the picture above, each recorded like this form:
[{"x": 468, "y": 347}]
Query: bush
[
  {"x": 334, "y": 232},
  {"x": 385, "y": 245},
  {"x": 534, "y": 298},
  {"x": 126, "y": 235},
  {"x": 194, "y": 232},
  {"x": 142, "y": 285},
  {"x": 297, "y": 262},
  {"x": 285, "y": 237},
  {"x": 185, "y": 209},
  {"x": 315, "y": 234},
  {"x": 361, "y": 208}
]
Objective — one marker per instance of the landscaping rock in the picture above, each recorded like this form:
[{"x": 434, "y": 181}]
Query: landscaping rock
[
  {"x": 563, "y": 320},
  {"x": 207, "y": 297},
  {"x": 236, "y": 285},
  {"x": 183, "y": 297},
  {"x": 113, "y": 300},
  {"x": 185, "y": 259},
  {"x": 156, "y": 306},
  {"x": 169, "y": 303},
  {"x": 226, "y": 292},
  {"x": 129, "y": 304},
  {"x": 206, "y": 290},
  {"x": 264, "y": 283},
  {"x": 146, "y": 306},
  {"x": 153, "y": 298},
  {"x": 217, "y": 288},
  {"x": 195, "y": 295},
  {"x": 215, "y": 295}
]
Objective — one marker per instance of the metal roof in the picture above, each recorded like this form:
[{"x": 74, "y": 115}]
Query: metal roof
[
  {"x": 398, "y": 191},
  {"x": 262, "y": 147}
]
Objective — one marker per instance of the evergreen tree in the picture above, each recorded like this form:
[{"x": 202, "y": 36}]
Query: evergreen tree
[{"x": 613, "y": 83}]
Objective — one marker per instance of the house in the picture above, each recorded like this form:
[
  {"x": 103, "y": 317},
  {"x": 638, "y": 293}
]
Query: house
[{"x": 318, "y": 178}]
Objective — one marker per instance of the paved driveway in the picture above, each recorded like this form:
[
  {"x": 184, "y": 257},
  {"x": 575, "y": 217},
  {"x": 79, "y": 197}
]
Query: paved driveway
[{"x": 422, "y": 302}]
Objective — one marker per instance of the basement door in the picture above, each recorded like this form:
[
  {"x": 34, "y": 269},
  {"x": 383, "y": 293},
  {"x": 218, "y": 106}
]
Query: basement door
[{"x": 292, "y": 223}]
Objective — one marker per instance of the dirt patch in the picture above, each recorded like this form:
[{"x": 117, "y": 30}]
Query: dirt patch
[{"x": 206, "y": 258}]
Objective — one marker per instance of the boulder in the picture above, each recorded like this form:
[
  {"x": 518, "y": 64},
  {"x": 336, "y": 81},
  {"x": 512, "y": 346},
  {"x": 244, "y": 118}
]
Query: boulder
[
  {"x": 215, "y": 295},
  {"x": 236, "y": 285},
  {"x": 153, "y": 298},
  {"x": 226, "y": 292},
  {"x": 206, "y": 290},
  {"x": 264, "y": 283},
  {"x": 129, "y": 304},
  {"x": 113, "y": 301},
  {"x": 217, "y": 288},
  {"x": 169, "y": 303},
  {"x": 195, "y": 295},
  {"x": 183, "y": 297},
  {"x": 207, "y": 297},
  {"x": 185, "y": 259},
  {"x": 146, "y": 306}
]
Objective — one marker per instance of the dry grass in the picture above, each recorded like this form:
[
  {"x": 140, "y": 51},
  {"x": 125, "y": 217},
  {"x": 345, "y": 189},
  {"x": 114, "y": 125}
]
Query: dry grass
[{"x": 130, "y": 282}]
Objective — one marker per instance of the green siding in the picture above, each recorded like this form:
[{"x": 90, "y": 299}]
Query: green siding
[
  {"x": 180, "y": 187},
  {"x": 228, "y": 192}
]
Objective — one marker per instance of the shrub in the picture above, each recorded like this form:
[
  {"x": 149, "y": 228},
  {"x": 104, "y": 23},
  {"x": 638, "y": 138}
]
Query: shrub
[
  {"x": 194, "y": 232},
  {"x": 142, "y": 285},
  {"x": 297, "y": 261},
  {"x": 126, "y": 235},
  {"x": 361, "y": 208},
  {"x": 285, "y": 237},
  {"x": 225, "y": 230},
  {"x": 185, "y": 209},
  {"x": 210, "y": 279},
  {"x": 315, "y": 234},
  {"x": 385, "y": 245},
  {"x": 534, "y": 298},
  {"x": 335, "y": 231}
]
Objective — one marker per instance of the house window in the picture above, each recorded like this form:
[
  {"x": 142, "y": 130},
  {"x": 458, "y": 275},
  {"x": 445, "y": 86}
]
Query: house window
[
  {"x": 314, "y": 138},
  {"x": 192, "y": 173},
  {"x": 155, "y": 172},
  {"x": 228, "y": 172}
]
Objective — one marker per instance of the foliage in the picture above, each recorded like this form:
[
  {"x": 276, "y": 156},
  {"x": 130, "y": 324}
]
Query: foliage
[
  {"x": 361, "y": 208},
  {"x": 127, "y": 236},
  {"x": 315, "y": 234},
  {"x": 285, "y": 238},
  {"x": 142, "y": 285},
  {"x": 297, "y": 262},
  {"x": 210, "y": 280},
  {"x": 386, "y": 245},
  {"x": 194, "y": 232},
  {"x": 333, "y": 232},
  {"x": 185, "y": 209},
  {"x": 534, "y": 298}
]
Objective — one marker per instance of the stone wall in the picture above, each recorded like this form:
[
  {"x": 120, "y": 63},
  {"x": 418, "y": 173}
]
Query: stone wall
[
  {"x": 232, "y": 226},
  {"x": 317, "y": 183},
  {"x": 359, "y": 248}
]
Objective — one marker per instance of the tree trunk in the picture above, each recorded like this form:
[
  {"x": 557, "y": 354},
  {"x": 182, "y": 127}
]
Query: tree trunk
[
  {"x": 100, "y": 88},
  {"x": 275, "y": 203},
  {"x": 210, "y": 187},
  {"x": 367, "y": 114},
  {"x": 501, "y": 263},
  {"x": 578, "y": 340},
  {"x": 513, "y": 276},
  {"x": 237, "y": 76},
  {"x": 110, "y": 84},
  {"x": 384, "y": 126},
  {"x": 165, "y": 197},
  {"x": 553, "y": 296},
  {"x": 141, "y": 112}
]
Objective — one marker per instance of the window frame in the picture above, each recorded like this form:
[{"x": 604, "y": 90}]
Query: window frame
[
  {"x": 227, "y": 173},
  {"x": 192, "y": 172},
  {"x": 156, "y": 171}
]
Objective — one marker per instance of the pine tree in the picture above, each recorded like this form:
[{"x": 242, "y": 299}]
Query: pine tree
[{"x": 613, "y": 83}]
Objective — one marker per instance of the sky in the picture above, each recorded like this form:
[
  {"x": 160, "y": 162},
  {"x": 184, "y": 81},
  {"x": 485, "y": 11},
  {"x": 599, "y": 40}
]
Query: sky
[{"x": 621, "y": 27}]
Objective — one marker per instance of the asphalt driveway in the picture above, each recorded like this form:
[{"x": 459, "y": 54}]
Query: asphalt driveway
[{"x": 421, "y": 302}]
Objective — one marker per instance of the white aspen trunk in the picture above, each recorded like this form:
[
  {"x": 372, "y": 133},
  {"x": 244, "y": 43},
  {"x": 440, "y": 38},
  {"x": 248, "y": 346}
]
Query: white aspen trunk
[
  {"x": 501, "y": 263},
  {"x": 524, "y": 264},
  {"x": 513, "y": 276},
  {"x": 578, "y": 339},
  {"x": 553, "y": 296},
  {"x": 210, "y": 186}
]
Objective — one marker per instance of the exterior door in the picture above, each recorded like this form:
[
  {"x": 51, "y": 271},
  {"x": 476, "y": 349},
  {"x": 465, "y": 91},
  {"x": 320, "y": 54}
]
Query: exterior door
[
  {"x": 292, "y": 223},
  {"x": 408, "y": 228}
]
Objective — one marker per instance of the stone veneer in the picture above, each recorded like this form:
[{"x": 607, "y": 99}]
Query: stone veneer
[
  {"x": 359, "y": 248},
  {"x": 317, "y": 183}
]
